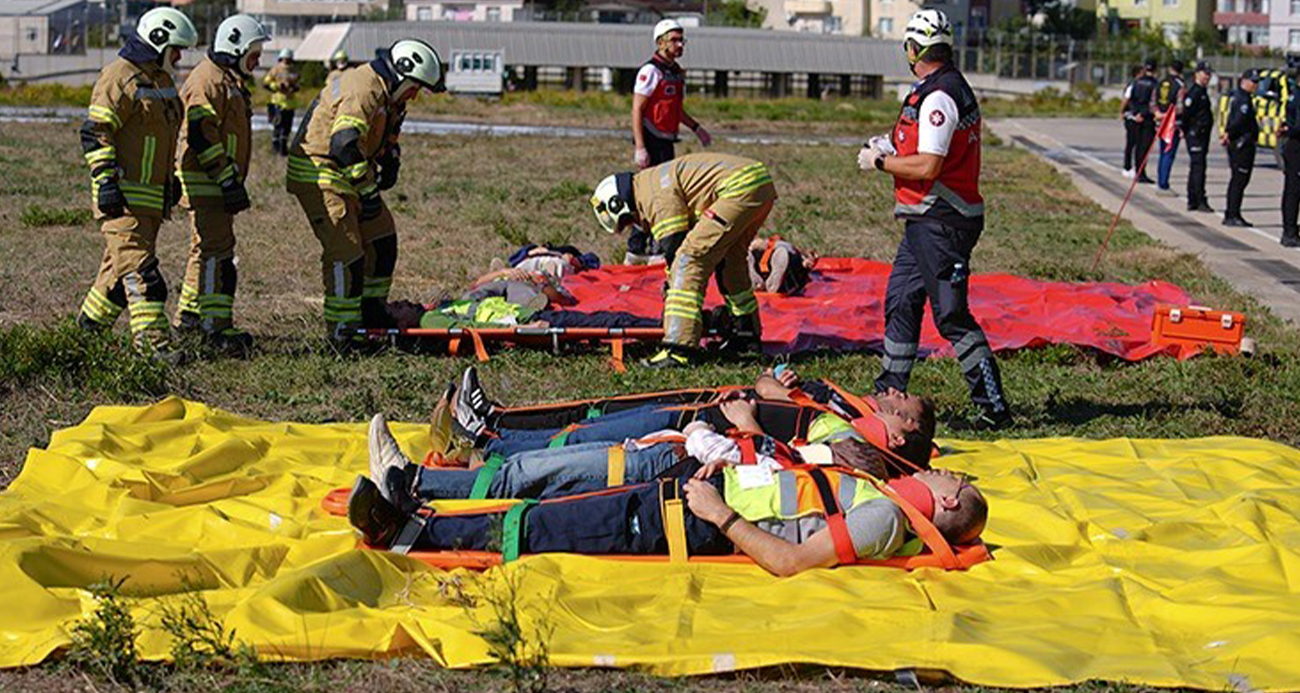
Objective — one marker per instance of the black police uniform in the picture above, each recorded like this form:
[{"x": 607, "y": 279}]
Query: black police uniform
[
  {"x": 1139, "y": 104},
  {"x": 1291, "y": 173},
  {"x": 1198, "y": 126},
  {"x": 1243, "y": 133}
]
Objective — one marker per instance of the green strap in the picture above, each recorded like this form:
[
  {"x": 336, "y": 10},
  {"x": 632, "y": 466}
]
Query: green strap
[
  {"x": 513, "y": 530},
  {"x": 483, "y": 482},
  {"x": 593, "y": 411},
  {"x": 559, "y": 439}
]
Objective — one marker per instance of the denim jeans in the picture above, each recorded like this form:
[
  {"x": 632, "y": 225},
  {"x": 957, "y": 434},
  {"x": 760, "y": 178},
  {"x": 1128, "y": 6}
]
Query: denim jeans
[
  {"x": 551, "y": 473},
  {"x": 1167, "y": 153},
  {"x": 608, "y": 429}
]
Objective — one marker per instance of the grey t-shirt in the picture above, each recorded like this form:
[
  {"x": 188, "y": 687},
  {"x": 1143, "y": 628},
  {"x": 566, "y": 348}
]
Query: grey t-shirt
[{"x": 877, "y": 528}]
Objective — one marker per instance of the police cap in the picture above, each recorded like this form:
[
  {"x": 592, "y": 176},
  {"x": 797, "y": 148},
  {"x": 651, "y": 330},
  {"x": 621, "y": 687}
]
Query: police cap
[
  {"x": 1150, "y": 64},
  {"x": 1204, "y": 66},
  {"x": 1251, "y": 74}
]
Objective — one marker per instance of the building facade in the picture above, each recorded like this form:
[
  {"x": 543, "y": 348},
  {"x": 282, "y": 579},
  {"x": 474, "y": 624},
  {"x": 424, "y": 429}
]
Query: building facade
[
  {"x": 1170, "y": 17},
  {"x": 1284, "y": 26},
  {"x": 43, "y": 27},
  {"x": 1243, "y": 22},
  {"x": 839, "y": 17},
  {"x": 889, "y": 17},
  {"x": 472, "y": 11},
  {"x": 294, "y": 18}
]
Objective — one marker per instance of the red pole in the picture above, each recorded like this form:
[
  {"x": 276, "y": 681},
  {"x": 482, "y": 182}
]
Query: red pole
[{"x": 1141, "y": 169}]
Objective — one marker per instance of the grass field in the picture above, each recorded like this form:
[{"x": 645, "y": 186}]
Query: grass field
[{"x": 463, "y": 201}]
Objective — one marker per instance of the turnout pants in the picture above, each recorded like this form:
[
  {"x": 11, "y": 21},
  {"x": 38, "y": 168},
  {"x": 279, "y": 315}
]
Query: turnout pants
[
  {"x": 1242, "y": 159},
  {"x": 718, "y": 244},
  {"x": 129, "y": 278},
  {"x": 628, "y": 520},
  {"x": 379, "y": 243},
  {"x": 1198, "y": 149},
  {"x": 639, "y": 240},
  {"x": 334, "y": 218},
  {"x": 208, "y": 294},
  {"x": 1291, "y": 184},
  {"x": 933, "y": 263}
]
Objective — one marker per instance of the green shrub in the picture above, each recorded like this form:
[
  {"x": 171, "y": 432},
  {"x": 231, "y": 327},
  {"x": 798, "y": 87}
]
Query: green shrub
[
  {"x": 104, "y": 643},
  {"x": 38, "y": 215},
  {"x": 65, "y": 356},
  {"x": 45, "y": 95}
]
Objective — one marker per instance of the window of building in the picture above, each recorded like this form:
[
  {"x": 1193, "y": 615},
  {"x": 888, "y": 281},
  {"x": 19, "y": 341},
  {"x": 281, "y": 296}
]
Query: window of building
[
  {"x": 1139, "y": 3},
  {"x": 834, "y": 25},
  {"x": 1295, "y": 6},
  {"x": 1170, "y": 3},
  {"x": 424, "y": 13},
  {"x": 494, "y": 14},
  {"x": 1225, "y": 6},
  {"x": 1293, "y": 39},
  {"x": 885, "y": 27},
  {"x": 1172, "y": 32}
]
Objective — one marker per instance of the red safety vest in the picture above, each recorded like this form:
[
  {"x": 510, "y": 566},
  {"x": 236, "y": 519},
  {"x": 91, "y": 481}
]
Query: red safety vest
[
  {"x": 663, "y": 109},
  {"x": 953, "y": 197}
]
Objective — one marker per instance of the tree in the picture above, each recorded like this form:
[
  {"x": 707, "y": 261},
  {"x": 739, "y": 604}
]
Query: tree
[{"x": 735, "y": 13}]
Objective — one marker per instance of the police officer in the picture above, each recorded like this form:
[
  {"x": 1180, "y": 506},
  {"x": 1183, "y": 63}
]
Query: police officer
[
  {"x": 934, "y": 155},
  {"x": 129, "y": 142},
  {"x": 1138, "y": 101},
  {"x": 1291, "y": 162},
  {"x": 1198, "y": 124},
  {"x": 1240, "y": 136},
  {"x": 1169, "y": 93},
  {"x": 657, "y": 111}
]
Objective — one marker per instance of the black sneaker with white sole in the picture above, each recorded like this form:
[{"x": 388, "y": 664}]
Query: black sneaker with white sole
[
  {"x": 466, "y": 423},
  {"x": 471, "y": 392}
]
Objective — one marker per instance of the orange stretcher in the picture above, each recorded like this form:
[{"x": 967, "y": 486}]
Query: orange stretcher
[{"x": 479, "y": 338}]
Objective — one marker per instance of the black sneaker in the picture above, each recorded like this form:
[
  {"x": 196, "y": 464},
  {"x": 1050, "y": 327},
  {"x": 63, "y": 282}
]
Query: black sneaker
[
  {"x": 1237, "y": 222},
  {"x": 1290, "y": 240},
  {"x": 466, "y": 423},
  {"x": 471, "y": 392},
  {"x": 378, "y": 520}
]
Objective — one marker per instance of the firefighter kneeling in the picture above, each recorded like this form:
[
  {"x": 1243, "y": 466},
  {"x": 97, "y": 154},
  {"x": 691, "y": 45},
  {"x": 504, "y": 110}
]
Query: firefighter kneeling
[
  {"x": 345, "y": 153},
  {"x": 703, "y": 209}
]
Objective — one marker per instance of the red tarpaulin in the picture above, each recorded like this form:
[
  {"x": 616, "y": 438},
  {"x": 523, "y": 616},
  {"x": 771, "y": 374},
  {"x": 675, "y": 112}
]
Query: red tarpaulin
[{"x": 843, "y": 309}]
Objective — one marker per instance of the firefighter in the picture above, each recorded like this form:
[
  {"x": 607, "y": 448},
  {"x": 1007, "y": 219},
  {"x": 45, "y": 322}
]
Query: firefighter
[
  {"x": 1169, "y": 92},
  {"x": 657, "y": 112},
  {"x": 1240, "y": 137},
  {"x": 215, "y": 148},
  {"x": 1291, "y": 163},
  {"x": 343, "y": 156},
  {"x": 1198, "y": 124},
  {"x": 337, "y": 65},
  {"x": 933, "y": 154},
  {"x": 282, "y": 81},
  {"x": 129, "y": 141},
  {"x": 704, "y": 209}
]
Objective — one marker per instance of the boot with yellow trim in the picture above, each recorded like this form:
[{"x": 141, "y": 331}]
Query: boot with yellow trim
[
  {"x": 672, "y": 356},
  {"x": 146, "y": 296},
  {"x": 99, "y": 311},
  {"x": 744, "y": 336}
]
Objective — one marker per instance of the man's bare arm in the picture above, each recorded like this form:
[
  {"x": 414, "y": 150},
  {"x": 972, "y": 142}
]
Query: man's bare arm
[{"x": 914, "y": 167}]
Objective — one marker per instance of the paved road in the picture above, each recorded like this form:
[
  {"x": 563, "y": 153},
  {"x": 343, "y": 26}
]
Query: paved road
[{"x": 1091, "y": 152}]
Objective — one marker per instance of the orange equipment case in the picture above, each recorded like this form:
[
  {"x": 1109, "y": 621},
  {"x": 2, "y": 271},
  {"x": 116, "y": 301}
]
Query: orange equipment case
[{"x": 1198, "y": 326}]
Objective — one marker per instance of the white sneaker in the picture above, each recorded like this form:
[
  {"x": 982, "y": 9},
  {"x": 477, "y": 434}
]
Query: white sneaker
[
  {"x": 384, "y": 454},
  {"x": 1128, "y": 173}
]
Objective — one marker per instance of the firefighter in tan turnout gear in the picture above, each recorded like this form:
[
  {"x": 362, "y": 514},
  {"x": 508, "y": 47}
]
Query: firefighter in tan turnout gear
[
  {"x": 282, "y": 80},
  {"x": 129, "y": 141},
  {"x": 215, "y": 148},
  {"x": 703, "y": 209},
  {"x": 344, "y": 154}
]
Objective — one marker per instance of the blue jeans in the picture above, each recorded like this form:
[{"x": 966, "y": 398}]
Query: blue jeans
[
  {"x": 628, "y": 521},
  {"x": 550, "y": 473},
  {"x": 1167, "y": 153},
  {"x": 609, "y": 429}
]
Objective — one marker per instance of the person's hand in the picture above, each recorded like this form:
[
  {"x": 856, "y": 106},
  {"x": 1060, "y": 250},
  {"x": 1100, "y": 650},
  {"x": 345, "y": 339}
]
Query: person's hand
[
  {"x": 703, "y": 135},
  {"x": 109, "y": 198},
  {"x": 740, "y": 412},
  {"x": 234, "y": 196},
  {"x": 867, "y": 158},
  {"x": 1137, "y": 118},
  {"x": 787, "y": 377},
  {"x": 641, "y": 157},
  {"x": 705, "y": 502},
  {"x": 709, "y": 469}
]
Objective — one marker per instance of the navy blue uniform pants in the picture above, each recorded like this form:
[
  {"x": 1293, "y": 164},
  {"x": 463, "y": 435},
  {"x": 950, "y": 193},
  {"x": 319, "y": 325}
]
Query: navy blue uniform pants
[{"x": 933, "y": 263}]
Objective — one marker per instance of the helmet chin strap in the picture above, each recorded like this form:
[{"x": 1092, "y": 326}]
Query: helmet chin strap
[{"x": 405, "y": 86}]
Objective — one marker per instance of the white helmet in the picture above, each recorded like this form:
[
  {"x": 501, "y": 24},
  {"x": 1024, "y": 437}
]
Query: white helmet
[
  {"x": 928, "y": 28},
  {"x": 164, "y": 27},
  {"x": 611, "y": 208},
  {"x": 417, "y": 61},
  {"x": 285, "y": 54},
  {"x": 238, "y": 35},
  {"x": 664, "y": 26}
]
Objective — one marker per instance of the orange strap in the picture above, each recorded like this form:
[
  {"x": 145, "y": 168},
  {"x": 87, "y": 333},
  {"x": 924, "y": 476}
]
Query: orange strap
[
  {"x": 923, "y": 527},
  {"x": 765, "y": 262},
  {"x": 616, "y": 359},
  {"x": 834, "y": 514},
  {"x": 453, "y": 346},
  {"x": 479, "y": 349}
]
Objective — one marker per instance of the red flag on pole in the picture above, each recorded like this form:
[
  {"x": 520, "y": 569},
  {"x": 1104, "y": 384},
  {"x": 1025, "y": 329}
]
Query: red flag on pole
[{"x": 1166, "y": 132}]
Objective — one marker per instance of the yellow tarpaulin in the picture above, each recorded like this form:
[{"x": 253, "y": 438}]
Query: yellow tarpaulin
[{"x": 1160, "y": 562}]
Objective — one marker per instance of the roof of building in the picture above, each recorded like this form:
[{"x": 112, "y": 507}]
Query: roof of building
[
  {"x": 12, "y": 8},
  {"x": 559, "y": 44}
]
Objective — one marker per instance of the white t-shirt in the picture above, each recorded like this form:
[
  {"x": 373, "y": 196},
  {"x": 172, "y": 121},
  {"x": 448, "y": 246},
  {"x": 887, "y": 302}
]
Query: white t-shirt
[
  {"x": 647, "y": 80},
  {"x": 937, "y": 121}
]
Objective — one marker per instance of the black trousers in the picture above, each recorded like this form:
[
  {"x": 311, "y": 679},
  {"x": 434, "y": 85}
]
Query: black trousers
[
  {"x": 1291, "y": 184},
  {"x": 1241, "y": 156},
  {"x": 281, "y": 126},
  {"x": 1198, "y": 150},
  {"x": 639, "y": 240},
  {"x": 1146, "y": 135},
  {"x": 933, "y": 263},
  {"x": 1130, "y": 142}
]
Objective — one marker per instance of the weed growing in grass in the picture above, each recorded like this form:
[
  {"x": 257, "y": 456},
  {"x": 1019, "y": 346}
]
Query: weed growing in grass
[
  {"x": 518, "y": 638},
  {"x": 39, "y": 216},
  {"x": 67, "y": 356},
  {"x": 199, "y": 639},
  {"x": 104, "y": 643}
]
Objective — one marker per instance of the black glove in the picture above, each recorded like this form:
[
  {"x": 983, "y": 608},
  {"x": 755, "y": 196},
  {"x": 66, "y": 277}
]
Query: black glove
[
  {"x": 234, "y": 196},
  {"x": 371, "y": 206},
  {"x": 388, "y": 168},
  {"x": 670, "y": 244},
  {"x": 110, "y": 200}
]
